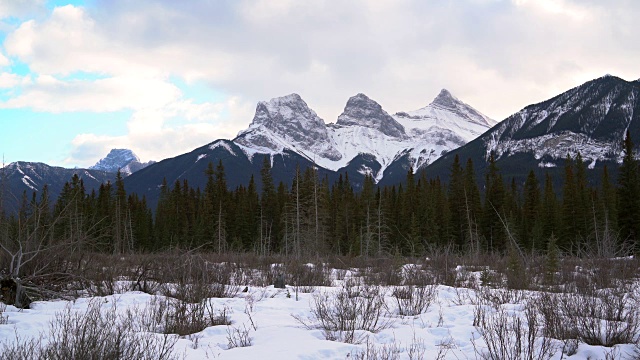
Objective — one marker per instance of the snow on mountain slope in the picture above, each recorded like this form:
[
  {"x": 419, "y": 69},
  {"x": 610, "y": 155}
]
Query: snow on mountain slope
[
  {"x": 287, "y": 122},
  {"x": 445, "y": 124},
  {"x": 363, "y": 112},
  {"x": 590, "y": 119},
  {"x": 120, "y": 159},
  {"x": 363, "y": 128}
]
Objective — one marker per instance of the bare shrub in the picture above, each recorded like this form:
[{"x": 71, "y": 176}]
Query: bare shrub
[
  {"x": 500, "y": 296},
  {"x": 604, "y": 317},
  {"x": 21, "y": 349},
  {"x": 343, "y": 313},
  {"x": 383, "y": 272},
  {"x": 377, "y": 352},
  {"x": 92, "y": 334},
  {"x": 172, "y": 316},
  {"x": 554, "y": 325},
  {"x": 308, "y": 275},
  {"x": 144, "y": 274},
  {"x": 196, "y": 279},
  {"x": 98, "y": 279},
  {"x": 443, "y": 262},
  {"x": 238, "y": 336},
  {"x": 415, "y": 275},
  {"x": 417, "y": 349},
  {"x": 414, "y": 300},
  {"x": 511, "y": 336},
  {"x": 444, "y": 346},
  {"x": 3, "y": 318}
]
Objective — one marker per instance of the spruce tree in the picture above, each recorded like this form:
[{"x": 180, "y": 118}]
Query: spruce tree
[
  {"x": 531, "y": 207},
  {"x": 457, "y": 205},
  {"x": 269, "y": 210},
  {"x": 584, "y": 206},
  {"x": 220, "y": 199},
  {"x": 570, "y": 216},
  {"x": 607, "y": 203},
  {"x": 629, "y": 193},
  {"x": 493, "y": 210},
  {"x": 473, "y": 204},
  {"x": 550, "y": 222}
]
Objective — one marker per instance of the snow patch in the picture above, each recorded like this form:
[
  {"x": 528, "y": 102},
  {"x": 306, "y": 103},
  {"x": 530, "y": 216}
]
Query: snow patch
[
  {"x": 27, "y": 181},
  {"x": 223, "y": 144},
  {"x": 88, "y": 174},
  {"x": 201, "y": 156}
]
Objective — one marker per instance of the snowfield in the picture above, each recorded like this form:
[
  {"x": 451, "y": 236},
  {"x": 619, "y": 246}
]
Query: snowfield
[{"x": 282, "y": 324}]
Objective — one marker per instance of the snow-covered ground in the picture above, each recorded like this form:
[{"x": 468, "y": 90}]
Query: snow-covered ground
[{"x": 271, "y": 316}]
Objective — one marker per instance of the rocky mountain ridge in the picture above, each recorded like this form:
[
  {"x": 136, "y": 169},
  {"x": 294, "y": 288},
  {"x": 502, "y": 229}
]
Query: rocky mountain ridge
[
  {"x": 364, "y": 128},
  {"x": 124, "y": 160},
  {"x": 590, "y": 119}
]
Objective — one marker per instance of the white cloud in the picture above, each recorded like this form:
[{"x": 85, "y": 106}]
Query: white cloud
[
  {"x": 10, "y": 80},
  {"x": 156, "y": 134},
  {"x": 3, "y": 60},
  {"x": 50, "y": 94},
  {"x": 329, "y": 50},
  {"x": 499, "y": 56},
  {"x": 19, "y": 8}
]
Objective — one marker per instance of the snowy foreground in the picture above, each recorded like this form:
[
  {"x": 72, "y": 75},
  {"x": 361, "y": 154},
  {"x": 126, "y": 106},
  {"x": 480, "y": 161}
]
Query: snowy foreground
[{"x": 271, "y": 318}]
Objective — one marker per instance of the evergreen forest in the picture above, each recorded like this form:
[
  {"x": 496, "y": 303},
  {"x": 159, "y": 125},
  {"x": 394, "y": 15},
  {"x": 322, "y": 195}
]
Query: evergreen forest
[{"x": 312, "y": 217}]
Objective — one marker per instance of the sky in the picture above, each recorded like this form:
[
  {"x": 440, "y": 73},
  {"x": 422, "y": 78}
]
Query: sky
[{"x": 163, "y": 77}]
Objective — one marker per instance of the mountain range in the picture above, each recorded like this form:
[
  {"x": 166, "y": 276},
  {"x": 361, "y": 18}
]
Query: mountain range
[
  {"x": 590, "y": 119},
  {"x": 22, "y": 177},
  {"x": 123, "y": 160},
  {"x": 366, "y": 140}
]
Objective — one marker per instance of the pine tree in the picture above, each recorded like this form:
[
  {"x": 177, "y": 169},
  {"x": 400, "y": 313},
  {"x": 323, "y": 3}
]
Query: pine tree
[
  {"x": 607, "y": 206},
  {"x": 550, "y": 222},
  {"x": 551, "y": 262},
  {"x": 367, "y": 202},
  {"x": 220, "y": 197},
  {"x": 457, "y": 205},
  {"x": 122, "y": 241},
  {"x": 584, "y": 208},
  {"x": 629, "y": 193},
  {"x": 269, "y": 210},
  {"x": 570, "y": 229},
  {"x": 473, "y": 207},
  {"x": 530, "y": 235},
  {"x": 493, "y": 209},
  {"x": 164, "y": 220}
]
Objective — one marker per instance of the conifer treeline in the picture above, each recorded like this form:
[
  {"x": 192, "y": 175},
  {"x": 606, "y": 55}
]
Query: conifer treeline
[{"x": 313, "y": 217}]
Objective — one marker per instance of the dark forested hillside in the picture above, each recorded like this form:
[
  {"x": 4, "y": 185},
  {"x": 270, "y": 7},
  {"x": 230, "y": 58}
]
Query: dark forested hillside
[
  {"x": 589, "y": 119},
  {"x": 311, "y": 214}
]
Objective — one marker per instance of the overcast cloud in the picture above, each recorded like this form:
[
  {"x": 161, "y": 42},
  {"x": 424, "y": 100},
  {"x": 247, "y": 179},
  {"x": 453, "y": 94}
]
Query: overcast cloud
[{"x": 497, "y": 56}]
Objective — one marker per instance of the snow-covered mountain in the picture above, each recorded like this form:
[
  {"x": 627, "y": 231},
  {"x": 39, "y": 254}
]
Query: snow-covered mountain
[
  {"x": 287, "y": 123},
  {"x": 29, "y": 177},
  {"x": 120, "y": 159},
  {"x": 363, "y": 131},
  {"x": 590, "y": 119},
  {"x": 365, "y": 139}
]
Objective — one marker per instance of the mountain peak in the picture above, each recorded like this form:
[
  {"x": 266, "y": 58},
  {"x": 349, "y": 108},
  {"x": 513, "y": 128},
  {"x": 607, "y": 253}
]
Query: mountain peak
[
  {"x": 286, "y": 109},
  {"x": 122, "y": 156},
  {"x": 291, "y": 98},
  {"x": 589, "y": 119},
  {"x": 446, "y": 100},
  {"x": 363, "y": 111},
  {"x": 124, "y": 160},
  {"x": 284, "y": 122}
]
